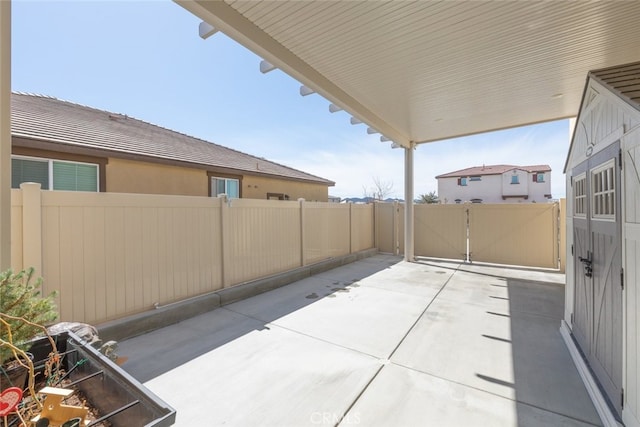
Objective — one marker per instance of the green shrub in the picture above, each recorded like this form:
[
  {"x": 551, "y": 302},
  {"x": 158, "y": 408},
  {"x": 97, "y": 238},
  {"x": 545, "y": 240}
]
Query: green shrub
[{"x": 20, "y": 298}]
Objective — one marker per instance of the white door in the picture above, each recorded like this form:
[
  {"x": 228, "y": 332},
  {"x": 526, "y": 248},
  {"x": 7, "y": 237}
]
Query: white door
[{"x": 597, "y": 320}]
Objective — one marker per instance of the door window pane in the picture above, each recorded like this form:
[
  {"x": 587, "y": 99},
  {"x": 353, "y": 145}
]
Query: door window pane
[
  {"x": 580, "y": 195},
  {"x": 604, "y": 192}
]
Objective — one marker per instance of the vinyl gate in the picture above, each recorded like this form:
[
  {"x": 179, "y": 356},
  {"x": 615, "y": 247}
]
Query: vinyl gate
[{"x": 513, "y": 234}]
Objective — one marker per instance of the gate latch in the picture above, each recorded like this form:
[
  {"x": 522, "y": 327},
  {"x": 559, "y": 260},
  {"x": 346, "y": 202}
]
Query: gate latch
[{"x": 587, "y": 264}]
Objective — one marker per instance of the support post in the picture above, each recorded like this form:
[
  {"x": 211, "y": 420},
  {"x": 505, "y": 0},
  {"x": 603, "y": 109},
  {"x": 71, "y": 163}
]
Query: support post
[
  {"x": 5, "y": 135},
  {"x": 395, "y": 237},
  {"x": 408, "y": 204}
]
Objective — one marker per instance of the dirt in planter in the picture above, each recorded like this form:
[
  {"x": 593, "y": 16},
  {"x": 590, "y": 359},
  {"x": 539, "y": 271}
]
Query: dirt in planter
[{"x": 76, "y": 399}]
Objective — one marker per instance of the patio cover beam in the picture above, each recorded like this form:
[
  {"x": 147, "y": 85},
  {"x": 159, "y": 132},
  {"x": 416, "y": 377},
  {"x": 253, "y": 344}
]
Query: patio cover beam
[
  {"x": 233, "y": 24},
  {"x": 5, "y": 134}
]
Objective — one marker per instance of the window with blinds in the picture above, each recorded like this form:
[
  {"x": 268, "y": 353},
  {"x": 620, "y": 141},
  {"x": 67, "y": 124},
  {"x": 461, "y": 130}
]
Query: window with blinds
[
  {"x": 54, "y": 174},
  {"x": 26, "y": 170},
  {"x": 75, "y": 176}
]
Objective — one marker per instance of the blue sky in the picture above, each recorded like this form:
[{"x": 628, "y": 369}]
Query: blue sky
[{"x": 145, "y": 59}]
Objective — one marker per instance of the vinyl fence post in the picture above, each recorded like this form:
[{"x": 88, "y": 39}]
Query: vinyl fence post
[
  {"x": 303, "y": 254},
  {"x": 351, "y": 234},
  {"x": 223, "y": 238},
  {"x": 32, "y": 226}
]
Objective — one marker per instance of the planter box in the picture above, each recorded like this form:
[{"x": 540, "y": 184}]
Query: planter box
[{"x": 107, "y": 387}]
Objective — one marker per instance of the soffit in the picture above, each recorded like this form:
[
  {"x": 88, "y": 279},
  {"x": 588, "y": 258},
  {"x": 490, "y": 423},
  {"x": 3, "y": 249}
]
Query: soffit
[{"x": 429, "y": 70}]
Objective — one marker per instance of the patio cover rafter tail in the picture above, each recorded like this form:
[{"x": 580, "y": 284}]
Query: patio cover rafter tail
[
  {"x": 431, "y": 70},
  {"x": 226, "y": 19}
]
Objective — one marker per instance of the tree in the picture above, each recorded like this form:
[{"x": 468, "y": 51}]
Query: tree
[
  {"x": 380, "y": 190},
  {"x": 430, "y": 197}
]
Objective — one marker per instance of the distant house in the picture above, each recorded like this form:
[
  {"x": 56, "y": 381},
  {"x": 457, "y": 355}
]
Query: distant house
[
  {"x": 496, "y": 184},
  {"x": 66, "y": 146}
]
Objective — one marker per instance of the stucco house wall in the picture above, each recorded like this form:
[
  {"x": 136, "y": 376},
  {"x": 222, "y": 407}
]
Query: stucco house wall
[
  {"x": 128, "y": 176},
  {"x": 495, "y": 184}
]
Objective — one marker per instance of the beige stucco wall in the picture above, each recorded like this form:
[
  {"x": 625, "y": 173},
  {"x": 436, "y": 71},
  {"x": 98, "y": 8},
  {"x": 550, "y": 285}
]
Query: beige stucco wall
[
  {"x": 127, "y": 176},
  {"x": 256, "y": 187}
]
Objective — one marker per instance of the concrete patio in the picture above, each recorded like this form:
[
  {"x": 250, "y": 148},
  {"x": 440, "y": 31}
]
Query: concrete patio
[{"x": 378, "y": 342}]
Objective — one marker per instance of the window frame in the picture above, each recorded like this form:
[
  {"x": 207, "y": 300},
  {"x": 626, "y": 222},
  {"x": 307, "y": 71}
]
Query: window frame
[
  {"x": 50, "y": 161},
  {"x": 580, "y": 182},
  {"x": 607, "y": 195},
  {"x": 462, "y": 181},
  {"x": 213, "y": 192},
  {"x": 537, "y": 177},
  {"x": 515, "y": 179}
]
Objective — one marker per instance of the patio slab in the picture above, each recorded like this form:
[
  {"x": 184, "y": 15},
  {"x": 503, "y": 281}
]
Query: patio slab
[
  {"x": 271, "y": 377},
  {"x": 403, "y": 397},
  {"x": 377, "y": 342},
  {"x": 369, "y": 320},
  {"x": 500, "y": 345},
  {"x": 410, "y": 278}
]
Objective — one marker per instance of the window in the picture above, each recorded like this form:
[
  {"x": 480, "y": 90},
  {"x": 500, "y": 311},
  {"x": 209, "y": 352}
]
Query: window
[
  {"x": 228, "y": 186},
  {"x": 54, "y": 174},
  {"x": 26, "y": 170},
  {"x": 538, "y": 177},
  {"x": 515, "y": 179},
  {"x": 604, "y": 191},
  {"x": 277, "y": 196},
  {"x": 462, "y": 181},
  {"x": 74, "y": 176},
  {"x": 580, "y": 195},
  {"x": 475, "y": 178}
]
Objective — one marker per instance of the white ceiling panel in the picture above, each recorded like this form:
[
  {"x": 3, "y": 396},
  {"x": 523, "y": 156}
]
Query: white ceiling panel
[{"x": 429, "y": 70}]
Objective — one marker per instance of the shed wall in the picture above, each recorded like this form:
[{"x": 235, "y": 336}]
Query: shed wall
[{"x": 605, "y": 119}]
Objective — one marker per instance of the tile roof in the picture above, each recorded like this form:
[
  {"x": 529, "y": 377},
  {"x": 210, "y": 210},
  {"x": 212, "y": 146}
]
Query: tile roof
[
  {"x": 54, "y": 120},
  {"x": 623, "y": 80},
  {"x": 493, "y": 170}
]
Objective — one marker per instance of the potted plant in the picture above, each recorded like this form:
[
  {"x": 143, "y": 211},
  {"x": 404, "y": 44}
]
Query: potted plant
[{"x": 23, "y": 314}]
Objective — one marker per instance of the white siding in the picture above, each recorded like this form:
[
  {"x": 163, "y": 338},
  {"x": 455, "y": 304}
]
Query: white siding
[
  {"x": 515, "y": 183},
  {"x": 494, "y": 188},
  {"x": 604, "y": 119},
  {"x": 631, "y": 254}
]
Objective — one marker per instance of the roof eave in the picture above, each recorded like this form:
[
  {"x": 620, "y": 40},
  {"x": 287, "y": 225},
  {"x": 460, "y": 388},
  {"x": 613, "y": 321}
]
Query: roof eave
[{"x": 66, "y": 146}]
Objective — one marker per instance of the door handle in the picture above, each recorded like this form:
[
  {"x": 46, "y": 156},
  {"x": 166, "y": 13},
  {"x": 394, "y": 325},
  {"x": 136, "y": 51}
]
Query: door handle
[{"x": 587, "y": 263}]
